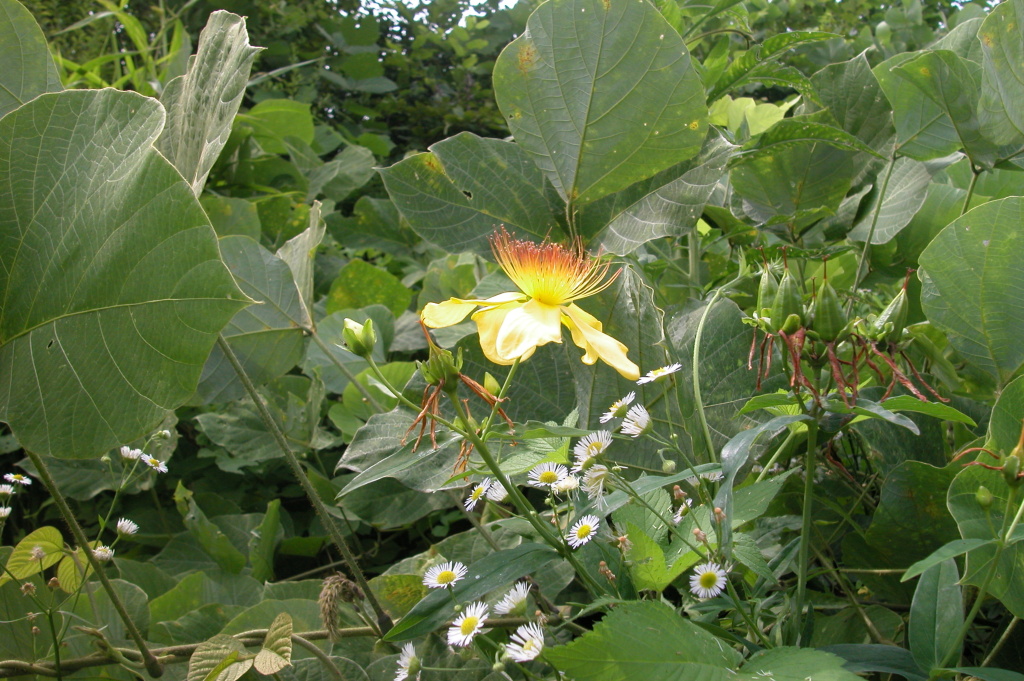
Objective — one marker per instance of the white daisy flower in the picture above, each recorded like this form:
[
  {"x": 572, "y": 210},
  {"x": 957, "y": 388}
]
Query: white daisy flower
[
  {"x": 583, "y": 531},
  {"x": 566, "y": 485},
  {"x": 514, "y": 602},
  {"x": 131, "y": 454},
  {"x": 618, "y": 408},
  {"x": 5, "y": 512},
  {"x": 526, "y": 643},
  {"x": 444, "y": 575},
  {"x": 547, "y": 474},
  {"x": 707, "y": 581},
  {"x": 408, "y": 664},
  {"x": 6, "y": 490},
  {"x": 19, "y": 479},
  {"x": 125, "y": 526},
  {"x": 594, "y": 480},
  {"x": 103, "y": 553},
  {"x": 683, "y": 509},
  {"x": 478, "y": 493},
  {"x": 153, "y": 462},
  {"x": 497, "y": 492},
  {"x": 468, "y": 624},
  {"x": 590, "y": 447},
  {"x": 660, "y": 373},
  {"x": 637, "y": 421}
]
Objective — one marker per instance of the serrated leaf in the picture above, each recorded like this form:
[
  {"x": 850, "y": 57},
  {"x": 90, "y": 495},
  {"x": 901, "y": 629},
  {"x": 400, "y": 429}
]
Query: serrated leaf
[
  {"x": 276, "y": 653},
  {"x": 134, "y": 296},
  {"x": 221, "y": 658},
  {"x": 21, "y": 564},
  {"x": 795, "y": 664},
  {"x": 26, "y": 67},
  {"x": 601, "y": 95},
  {"x": 973, "y": 286},
  {"x": 201, "y": 105},
  {"x": 645, "y": 640}
]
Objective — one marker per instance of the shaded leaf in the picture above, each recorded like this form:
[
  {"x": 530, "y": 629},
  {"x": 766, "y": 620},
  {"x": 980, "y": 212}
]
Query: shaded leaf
[
  {"x": 904, "y": 195},
  {"x": 26, "y": 67},
  {"x": 795, "y": 664},
  {"x": 1001, "y": 37},
  {"x": 360, "y": 284},
  {"x": 955, "y": 548},
  {"x": 936, "y": 615}
]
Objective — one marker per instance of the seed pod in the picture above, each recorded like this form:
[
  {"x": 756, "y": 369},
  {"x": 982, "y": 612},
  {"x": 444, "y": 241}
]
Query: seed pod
[
  {"x": 829, "y": 318},
  {"x": 788, "y": 301},
  {"x": 888, "y": 326},
  {"x": 1011, "y": 470},
  {"x": 983, "y": 496},
  {"x": 766, "y": 291}
]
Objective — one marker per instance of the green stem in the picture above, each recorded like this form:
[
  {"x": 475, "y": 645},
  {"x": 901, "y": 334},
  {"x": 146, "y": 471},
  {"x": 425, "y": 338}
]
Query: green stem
[
  {"x": 402, "y": 399},
  {"x": 383, "y": 621},
  {"x": 805, "y": 526},
  {"x": 499, "y": 397},
  {"x": 363, "y": 390},
  {"x": 325, "y": 660},
  {"x": 153, "y": 666},
  {"x": 970, "y": 189},
  {"x": 56, "y": 644},
  {"x": 751, "y": 625},
  {"x": 783, "y": 448},
  {"x": 999, "y": 644},
  {"x": 693, "y": 258},
  {"x": 865, "y": 252}
]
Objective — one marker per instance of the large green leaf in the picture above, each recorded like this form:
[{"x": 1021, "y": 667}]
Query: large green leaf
[
  {"x": 853, "y": 97},
  {"x": 645, "y": 640},
  {"x": 667, "y": 204},
  {"x": 976, "y": 522},
  {"x": 973, "y": 286},
  {"x": 114, "y": 290},
  {"x": 457, "y": 194},
  {"x": 758, "y": 64},
  {"x": 952, "y": 83},
  {"x": 923, "y": 131},
  {"x": 936, "y": 615},
  {"x": 601, "y": 95},
  {"x": 1002, "y": 82},
  {"x": 905, "y": 192},
  {"x": 267, "y": 337},
  {"x": 26, "y": 67},
  {"x": 201, "y": 105}
]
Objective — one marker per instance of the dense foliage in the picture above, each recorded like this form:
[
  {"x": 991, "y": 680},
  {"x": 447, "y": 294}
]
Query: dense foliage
[{"x": 669, "y": 339}]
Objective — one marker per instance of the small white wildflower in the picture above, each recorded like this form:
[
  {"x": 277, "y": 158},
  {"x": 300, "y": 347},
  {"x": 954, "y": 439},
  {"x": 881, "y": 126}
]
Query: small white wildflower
[
  {"x": 444, "y": 575},
  {"x": 19, "y": 479},
  {"x": 408, "y": 664},
  {"x": 103, "y": 553},
  {"x": 683, "y": 509},
  {"x": 37, "y": 553},
  {"x": 590, "y": 447},
  {"x": 5, "y": 512},
  {"x": 583, "y": 531},
  {"x": 594, "y": 480},
  {"x": 153, "y": 462},
  {"x": 527, "y": 643},
  {"x": 547, "y": 474},
  {"x": 660, "y": 373},
  {"x": 6, "y": 490},
  {"x": 478, "y": 493},
  {"x": 514, "y": 602},
  {"x": 637, "y": 421},
  {"x": 468, "y": 624},
  {"x": 497, "y": 492},
  {"x": 125, "y": 526},
  {"x": 131, "y": 454},
  {"x": 618, "y": 408},
  {"x": 566, "y": 485},
  {"x": 707, "y": 581}
]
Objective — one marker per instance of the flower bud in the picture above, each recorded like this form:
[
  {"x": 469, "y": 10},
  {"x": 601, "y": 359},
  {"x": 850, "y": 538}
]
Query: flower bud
[
  {"x": 984, "y": 496},
  {"x": 668, "y": 466},
  {"x": 498, "y": 667},
  {"x": 359, "y": 338},
  {"x": 491, "y": 384}
]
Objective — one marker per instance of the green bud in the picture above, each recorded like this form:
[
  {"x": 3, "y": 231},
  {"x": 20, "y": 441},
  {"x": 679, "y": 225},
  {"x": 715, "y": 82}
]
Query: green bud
[
  {"x": 491, "y": 384},
  {"x": 888, "y": 326},
  {"x": 788, "y": 301},
  {"x": 497, "y": 667},
  {"x": 1011, "y": 469},
  {"x": 984, "y": 496},
  {"x": 766, "y": 290},
  {"x": 791, "y": 325},
  {"x": 359, "y": 338},
  {"x": 829, "y": 318},
  {"x": 668, "y": 466}
]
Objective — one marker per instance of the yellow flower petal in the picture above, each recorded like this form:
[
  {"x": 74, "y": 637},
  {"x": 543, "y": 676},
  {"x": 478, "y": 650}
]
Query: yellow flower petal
[
  {"x": 488, "y": 324},
  {"x": 448, "y": 313},
  {"x": 528, "y": 326},
  {"x": 587, "y": 328}
]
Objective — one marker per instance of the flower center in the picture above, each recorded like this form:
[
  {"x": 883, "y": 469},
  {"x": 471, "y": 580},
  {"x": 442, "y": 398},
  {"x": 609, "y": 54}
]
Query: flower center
[
  {"x": 477, "y": 493},
  {"x": 595, "y": 448},
  {"x": 548, "y": 272},
  {"x": 469, "y": 625},
  {"x": 584, "y": 531},
  {"x": 548, "y": 477},
  {"x": 708, "y": 580},
  {"x": 445, "y": 577},
  {"x": 529, "y": 646}
]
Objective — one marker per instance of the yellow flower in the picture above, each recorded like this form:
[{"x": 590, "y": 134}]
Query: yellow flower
[{"x": 550, "y": 278}]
